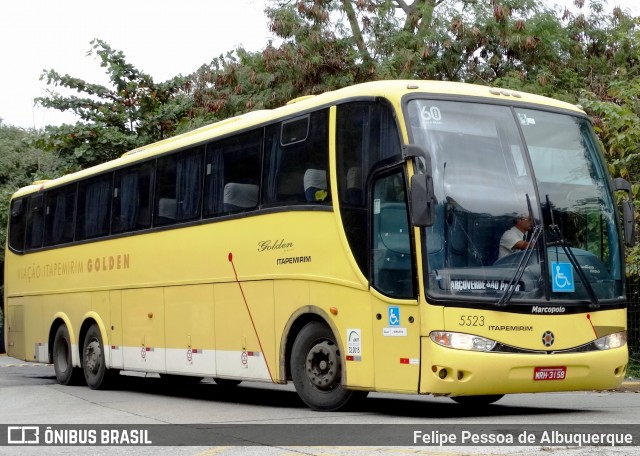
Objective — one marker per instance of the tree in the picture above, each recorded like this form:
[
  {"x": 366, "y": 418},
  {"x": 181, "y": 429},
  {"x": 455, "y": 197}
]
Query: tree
[
  {"x": 133, "y": 112},
  {"x": 311, "y": 59},
  {"x": 325, "y": 45}
]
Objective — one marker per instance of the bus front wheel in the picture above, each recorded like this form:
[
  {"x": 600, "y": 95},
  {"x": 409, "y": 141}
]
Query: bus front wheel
[
  {"x": 66, "y": 374},
  {"x": 93, "y": 361},
  {"x": 316, "y": 368}
]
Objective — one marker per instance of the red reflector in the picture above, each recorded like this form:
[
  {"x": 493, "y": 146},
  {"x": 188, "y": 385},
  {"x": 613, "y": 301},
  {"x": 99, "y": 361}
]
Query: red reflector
[{"x": 404, "y": 360}]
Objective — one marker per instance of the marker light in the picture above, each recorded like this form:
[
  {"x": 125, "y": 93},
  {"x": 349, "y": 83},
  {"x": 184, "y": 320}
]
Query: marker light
[
  {"x": 462, "y": 341},
  {"x": 614, "y": 340}
]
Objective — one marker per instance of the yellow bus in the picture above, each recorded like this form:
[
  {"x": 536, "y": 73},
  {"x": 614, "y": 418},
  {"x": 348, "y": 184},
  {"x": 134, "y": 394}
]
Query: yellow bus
[{"x": 347, "y": 242}]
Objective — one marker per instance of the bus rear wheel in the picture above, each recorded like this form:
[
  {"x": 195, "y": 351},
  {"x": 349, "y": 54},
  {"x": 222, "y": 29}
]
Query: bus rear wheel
[
  {"x": 66, "y": 374},
  {"x": 477, "y": 401},
  {"x": 93, "y": 360},
  {"x": 316, "y": 368}
]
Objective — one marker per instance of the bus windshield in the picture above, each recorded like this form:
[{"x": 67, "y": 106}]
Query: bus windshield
[{"x": 524, "y": 212}]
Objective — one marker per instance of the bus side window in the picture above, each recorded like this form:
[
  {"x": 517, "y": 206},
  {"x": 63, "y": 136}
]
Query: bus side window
[
  {"x": 94, "y": 207},
  {"x": 132, "y": 198},
  {"x": 296, "y": 160},
  {"x": 232, "y": 174},
  {"x": 178, "y": 187},
  {"x": 316, "y": 153},
  {"x": 58, "y": 217},
  {"x": 283, "y": 170},
  {"x": 213, "y": 181},
  {"x": 35, "y": 222},
  {"x": 17, "y": 224}
]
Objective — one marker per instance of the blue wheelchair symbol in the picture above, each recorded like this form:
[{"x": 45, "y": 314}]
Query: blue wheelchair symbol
[
  {"x": 562, "y": 277},
  {"x": 394, "y": 316}
]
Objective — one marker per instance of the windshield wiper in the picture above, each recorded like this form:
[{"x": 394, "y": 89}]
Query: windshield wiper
[
  {"x": 555, "y": 229},
  {"x": 524, "y": 260}
]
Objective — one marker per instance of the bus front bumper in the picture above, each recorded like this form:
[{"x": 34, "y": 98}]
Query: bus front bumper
[{"x": 451, "y": 372}]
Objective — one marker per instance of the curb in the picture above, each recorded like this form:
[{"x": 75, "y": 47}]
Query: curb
[
  {"x": 6, "y": 361},
  {"x": 629, "y": 386}
]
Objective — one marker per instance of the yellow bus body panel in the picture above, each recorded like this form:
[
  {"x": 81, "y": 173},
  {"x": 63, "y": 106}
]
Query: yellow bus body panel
[{"x": 475, "y": 373}]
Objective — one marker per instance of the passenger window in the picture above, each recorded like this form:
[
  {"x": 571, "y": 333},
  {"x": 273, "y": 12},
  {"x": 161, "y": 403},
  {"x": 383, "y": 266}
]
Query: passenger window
[
  {"x": 94, "y": 207},
  {"x": 232, "y": 174},
  {"x": 35, "y": 222},
  {"x": 297, "y": 160},
  {"x": 179, "y": 187},
  {"x": 58, "y": 218},
  {"x": 17, "y": 224},
  {"x": 132, "y": 198}
]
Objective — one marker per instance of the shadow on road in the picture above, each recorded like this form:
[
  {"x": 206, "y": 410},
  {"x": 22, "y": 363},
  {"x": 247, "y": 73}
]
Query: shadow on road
[
  {"x": 280, "y": 396},
  {"x": 376, "y": 404}
]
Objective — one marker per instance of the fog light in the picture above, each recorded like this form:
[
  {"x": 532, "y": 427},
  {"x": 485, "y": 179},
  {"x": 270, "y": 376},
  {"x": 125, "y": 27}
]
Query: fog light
[{"x": 442, "y": 374}]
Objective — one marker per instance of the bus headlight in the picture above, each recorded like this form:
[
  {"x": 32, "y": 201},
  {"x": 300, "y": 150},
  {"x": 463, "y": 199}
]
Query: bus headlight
[
  {"x": 614, "y": 340},
  {"x": 462, "y": 341}
]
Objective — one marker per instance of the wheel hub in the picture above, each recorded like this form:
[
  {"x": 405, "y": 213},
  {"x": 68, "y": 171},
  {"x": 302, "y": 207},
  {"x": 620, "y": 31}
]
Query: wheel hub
[
  {"x": 92, "y": 356},
  {"x": 323, "y": 365}
]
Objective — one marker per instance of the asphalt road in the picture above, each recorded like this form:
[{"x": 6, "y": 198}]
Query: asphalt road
[{"x": 267, "y": 418}]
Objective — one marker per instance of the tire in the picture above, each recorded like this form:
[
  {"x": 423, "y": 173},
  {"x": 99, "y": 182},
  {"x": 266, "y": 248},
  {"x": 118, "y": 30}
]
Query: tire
[
  {"x": 94, "y": 365},
  {"x": 66, "y": 374},
  {"x": 316, "y": 369},
  {"x": 226, "y": 382},
  {"x": 477, "y": 401}
]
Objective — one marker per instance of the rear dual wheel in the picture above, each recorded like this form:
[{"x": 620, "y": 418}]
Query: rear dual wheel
[
  {"x": 94, "y": 365},
  {"x": 66, "y": 374},
  {"x": 94, "y": 370}
]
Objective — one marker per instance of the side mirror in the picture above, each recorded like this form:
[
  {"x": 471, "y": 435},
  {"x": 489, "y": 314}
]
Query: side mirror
[
  {"x": 628, "y": 222},
  {"x": 422, "y": 194},
  {"x": 422, "y": 200}
]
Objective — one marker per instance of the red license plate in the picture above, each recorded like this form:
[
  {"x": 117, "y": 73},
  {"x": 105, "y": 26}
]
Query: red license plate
[{"x": 549, "y": 373}]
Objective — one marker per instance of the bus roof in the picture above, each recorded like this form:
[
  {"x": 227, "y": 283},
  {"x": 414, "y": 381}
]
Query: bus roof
[{"x": 392, "y": 89}]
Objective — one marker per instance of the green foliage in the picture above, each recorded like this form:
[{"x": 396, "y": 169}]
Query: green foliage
[
  {"x": 133, "y": 111},
  {"x": 616, "y": 125},
  {"x": 311, "y": 59}
]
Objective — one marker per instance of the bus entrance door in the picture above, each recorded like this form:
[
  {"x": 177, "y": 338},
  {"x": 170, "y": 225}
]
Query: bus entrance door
[{"x": 396, "y": 345}]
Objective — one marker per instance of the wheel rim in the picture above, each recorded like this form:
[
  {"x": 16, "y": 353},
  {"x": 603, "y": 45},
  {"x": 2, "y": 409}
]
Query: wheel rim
[
  {"x": 92, "y": 357},
  {"x": 323, "y": 366}
]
